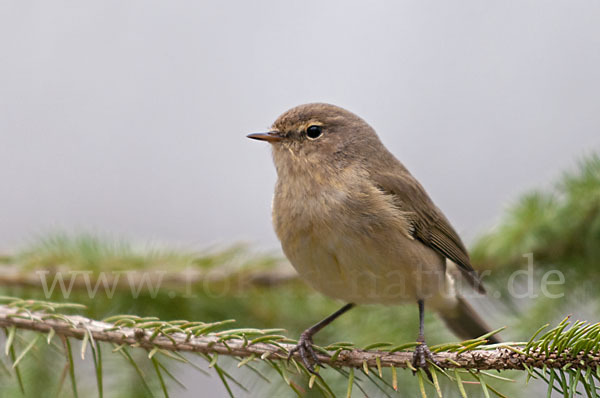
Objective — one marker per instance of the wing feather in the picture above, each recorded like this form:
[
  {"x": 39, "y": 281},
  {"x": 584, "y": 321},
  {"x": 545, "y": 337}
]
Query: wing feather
[{"x": 429, "y": 225}]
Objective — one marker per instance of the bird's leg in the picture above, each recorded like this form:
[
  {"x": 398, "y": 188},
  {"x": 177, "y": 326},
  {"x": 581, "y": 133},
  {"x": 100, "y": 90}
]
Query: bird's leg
[
  {"x": 305, "y": 343},
  {"x": 422, "y": 353}
]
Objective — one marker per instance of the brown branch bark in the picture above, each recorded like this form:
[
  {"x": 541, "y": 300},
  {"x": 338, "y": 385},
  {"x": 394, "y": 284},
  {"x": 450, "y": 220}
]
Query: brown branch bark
[
  {"x": 77, "y": 326},
  {"x": 123, "y": 280}
]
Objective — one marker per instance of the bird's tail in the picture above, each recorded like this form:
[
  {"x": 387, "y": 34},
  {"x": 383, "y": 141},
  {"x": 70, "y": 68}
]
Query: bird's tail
[{"x": 465, "y": 322}]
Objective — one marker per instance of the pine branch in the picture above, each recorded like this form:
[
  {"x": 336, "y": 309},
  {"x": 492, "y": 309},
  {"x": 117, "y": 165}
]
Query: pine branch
[
  {"x": 549, "y": 356},
  {"x": 228, "y": 343},
  {"x": 12, "y": 275}
]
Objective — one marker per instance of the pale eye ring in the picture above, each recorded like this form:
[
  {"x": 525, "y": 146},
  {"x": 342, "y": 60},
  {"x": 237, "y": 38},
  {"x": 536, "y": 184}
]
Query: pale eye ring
[{"x": 313, "y": 132}]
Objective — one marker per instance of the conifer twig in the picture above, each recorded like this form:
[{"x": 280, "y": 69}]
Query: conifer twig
[{"x": 227, "y": 343}]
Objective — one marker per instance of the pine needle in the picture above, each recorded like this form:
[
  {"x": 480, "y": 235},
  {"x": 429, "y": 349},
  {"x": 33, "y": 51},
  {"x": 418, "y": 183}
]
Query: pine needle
[
  {"x": 350, "y": 383},
  {"x": 26, "y": 350},
  {"x": 163, "y": 386}
]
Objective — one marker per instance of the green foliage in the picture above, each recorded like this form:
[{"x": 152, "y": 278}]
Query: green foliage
[
  {"x": 560, "y": 346},
  {"x": 61, "y": 251},
  {"x": 560, "y": 230},
  {"x": 560, "y": 227}
]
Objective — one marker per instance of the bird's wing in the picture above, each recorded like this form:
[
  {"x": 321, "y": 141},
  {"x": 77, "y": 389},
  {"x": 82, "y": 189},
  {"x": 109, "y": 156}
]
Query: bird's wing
[{"x": 428, "y": 223}]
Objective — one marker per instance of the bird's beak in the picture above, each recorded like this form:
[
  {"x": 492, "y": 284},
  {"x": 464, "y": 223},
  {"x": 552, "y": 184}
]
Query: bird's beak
[{"x": 271, "y": 136}]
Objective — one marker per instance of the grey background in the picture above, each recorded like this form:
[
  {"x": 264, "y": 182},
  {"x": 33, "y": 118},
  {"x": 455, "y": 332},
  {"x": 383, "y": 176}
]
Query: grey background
[{"x": 128, "y": 117}]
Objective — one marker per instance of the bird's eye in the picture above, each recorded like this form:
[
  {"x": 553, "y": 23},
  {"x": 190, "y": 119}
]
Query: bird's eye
[{"x": 314, "y": 132}]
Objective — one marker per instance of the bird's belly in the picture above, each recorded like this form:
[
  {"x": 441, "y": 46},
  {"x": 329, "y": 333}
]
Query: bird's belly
[{"x": 363, "y": 269}]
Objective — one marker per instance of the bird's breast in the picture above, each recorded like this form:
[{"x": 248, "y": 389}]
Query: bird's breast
[{"x": 350, "y": 242}]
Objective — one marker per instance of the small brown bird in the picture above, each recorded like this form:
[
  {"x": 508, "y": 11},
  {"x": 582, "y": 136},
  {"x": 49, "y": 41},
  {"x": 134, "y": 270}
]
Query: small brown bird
[{"x": 358, "y": 227}]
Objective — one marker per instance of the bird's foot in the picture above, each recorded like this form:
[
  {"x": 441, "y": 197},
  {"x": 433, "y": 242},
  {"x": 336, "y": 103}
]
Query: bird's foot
[
  {"x": 305, "y": 349},
  {"x": 421, "y": 356}
]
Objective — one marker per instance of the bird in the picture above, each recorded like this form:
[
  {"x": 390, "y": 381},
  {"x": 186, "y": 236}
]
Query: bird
[{"x": 358, "y": 227}]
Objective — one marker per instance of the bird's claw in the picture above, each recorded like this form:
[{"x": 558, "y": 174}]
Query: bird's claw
[
  {"x": 421, "y": 356},
  {"x": 305, "y": 349}
]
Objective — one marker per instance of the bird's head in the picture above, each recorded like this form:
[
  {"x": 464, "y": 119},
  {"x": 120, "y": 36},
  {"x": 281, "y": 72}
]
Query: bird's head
[{"x": 319, "y": 134}]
